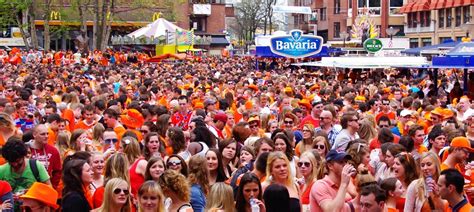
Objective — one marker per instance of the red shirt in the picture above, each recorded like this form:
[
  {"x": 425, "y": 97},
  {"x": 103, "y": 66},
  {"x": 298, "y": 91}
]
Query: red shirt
[
  {"x": 309, "y": 120},
  {"x": 136, "y": 179},
  {"x": 49, "y": 157},
  {"x": 181, "y": 120}
]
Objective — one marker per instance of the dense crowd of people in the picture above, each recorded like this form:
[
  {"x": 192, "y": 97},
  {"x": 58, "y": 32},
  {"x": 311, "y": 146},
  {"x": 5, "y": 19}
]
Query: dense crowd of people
[{"x": 110, "y": 132}]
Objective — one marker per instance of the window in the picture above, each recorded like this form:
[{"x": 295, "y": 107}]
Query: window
[
  {"x": 412, "y": 21},
  {"x": 458, "y": 16},
  {"x": 441, "y": 18},
  {"x": 449, "y": 17},
  {"x": 322, "y": 14},
  {"x": 426, "y": 41},
  {"x": 337, "y": 29},
  {"x": 373, "y": 6},
  {"x": 444, "y": 39},
  {"x": 395, "y": 6},
  {"x": 422, "y": 19},
  {"x": 413, "y": 42},
  {"x": 337, "y": 6},
  {"x": 466, "y": 14},
  {"x": 425, "y": 19}
]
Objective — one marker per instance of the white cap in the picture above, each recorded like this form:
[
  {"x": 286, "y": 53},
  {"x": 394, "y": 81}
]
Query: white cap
[{"x": 405, "y": 112}]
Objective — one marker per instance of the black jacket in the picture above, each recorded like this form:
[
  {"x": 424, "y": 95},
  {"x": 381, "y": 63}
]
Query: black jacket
[{"x": 75, "y": 202}]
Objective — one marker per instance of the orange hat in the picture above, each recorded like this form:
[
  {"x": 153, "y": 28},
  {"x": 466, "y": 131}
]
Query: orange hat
[
  {"x": 42, "y": 193},
  {"x": 133, "y": 119},
  {"x": 253, "y": 87},
  {"x": 188, "y": 76},
  {"x": 288, "y": 89},
  {"x": 461, "y": 142},
  {"x": 438, "y": 111},
  {"x": 305, "y": 103},
  {"x": 447, "y": 113},
  {"x": 248, "y": 105},
  {"x": 360, "y": 98},
  {"x": 314, "y": 87}
]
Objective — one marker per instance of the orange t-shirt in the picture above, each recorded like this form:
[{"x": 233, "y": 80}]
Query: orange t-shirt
[
  {"x": 2, "y": 142},
  {"x": 52, "y": 137}
]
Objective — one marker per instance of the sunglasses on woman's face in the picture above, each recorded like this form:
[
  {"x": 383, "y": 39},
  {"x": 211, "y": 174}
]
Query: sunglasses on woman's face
[
  {"x": 174, "y": 163},
  {"x": 119, "y": 190},
  {"x": 301, "y": 164},
  {"x": 319, "y": 146}
]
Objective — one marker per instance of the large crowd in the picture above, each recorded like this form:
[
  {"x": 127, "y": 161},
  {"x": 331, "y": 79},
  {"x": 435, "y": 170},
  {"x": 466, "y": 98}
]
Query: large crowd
[{"x": 107, "y": 131}]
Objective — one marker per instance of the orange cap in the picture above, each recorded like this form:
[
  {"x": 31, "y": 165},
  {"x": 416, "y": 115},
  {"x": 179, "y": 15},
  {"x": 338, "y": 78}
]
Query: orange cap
[
  {"x": 253, "y": 87},
  {"x": 461, "y": 142},
  {"x": 133, "y": 119},
  {"x": 42, "y": 193}
]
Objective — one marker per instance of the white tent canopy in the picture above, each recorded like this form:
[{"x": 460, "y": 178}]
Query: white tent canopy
[
  {"x": 156, "y": 29},
  {"x": 368, "y": 62}
]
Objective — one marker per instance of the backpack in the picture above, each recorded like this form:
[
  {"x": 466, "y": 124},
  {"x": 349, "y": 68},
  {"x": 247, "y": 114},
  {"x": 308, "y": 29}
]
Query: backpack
[{"x": 34, "y": 169}]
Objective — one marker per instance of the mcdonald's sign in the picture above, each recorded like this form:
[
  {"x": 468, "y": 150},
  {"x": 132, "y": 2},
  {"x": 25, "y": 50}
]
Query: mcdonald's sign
[
  {"x": 55, "y": 15},
  {"x": 156, "y": 16}
]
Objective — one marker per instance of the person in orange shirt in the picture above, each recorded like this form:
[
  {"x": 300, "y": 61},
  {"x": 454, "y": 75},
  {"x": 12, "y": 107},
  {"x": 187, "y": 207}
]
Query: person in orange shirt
[
  {"x": 451, "y": 188},
  {"x": 385, "y": 110},
  {"x": 459, "y": 150},
  {"x": 111, "y": 120},
  {"x": 417, "y": 133},
  {"x": 88, "y": 120},
  {"x": 53, "y": 123}
]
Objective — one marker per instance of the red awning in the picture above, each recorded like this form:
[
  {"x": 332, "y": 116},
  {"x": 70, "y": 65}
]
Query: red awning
[
  {"x": 433, "y": 4},
  {"x": 440, "y": 4},
  {"x": 458, "y": 3},
  {"x": 406, "y": 8},
  {"x": 422, "y": 6},
  {"x": 468, "y": 2},
  {"x": 449, "y": 3}
]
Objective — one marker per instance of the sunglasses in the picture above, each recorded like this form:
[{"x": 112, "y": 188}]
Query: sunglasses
[
  {"x": 24, "y": 208},
  {"x": 144, "y": 131},
  {"x": 174, "y": 163},
  {"x": 288, "y": 122},
  {"x": 119, "y": 190},
  {"x": 383, "y": 126},
  {"x": 301, "y": 164},
  {"x": 319, "y": 146},
  {"x": 111, "y": 140},
  {"x": 253, "y": 126}
]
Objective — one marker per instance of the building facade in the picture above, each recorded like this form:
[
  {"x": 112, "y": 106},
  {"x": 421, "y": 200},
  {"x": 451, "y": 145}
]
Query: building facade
[
  {"x": 206, "y": 17},
  {"x": 429, "y": 22}
]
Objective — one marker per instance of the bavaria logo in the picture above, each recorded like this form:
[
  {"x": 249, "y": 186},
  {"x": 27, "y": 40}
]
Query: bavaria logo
[{"x": 296, "y": 45}]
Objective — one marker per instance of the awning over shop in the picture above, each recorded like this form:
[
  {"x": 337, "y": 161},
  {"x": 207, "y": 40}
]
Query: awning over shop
[
  {"x": 458, "y": 3},
  {"x": 432, "y": 48},
  {"x": 422, "y": 5},
  {"x": 407, "y": 7},
  {"x": 219, "y": 41},
  {"x": 440, "y": 4}
]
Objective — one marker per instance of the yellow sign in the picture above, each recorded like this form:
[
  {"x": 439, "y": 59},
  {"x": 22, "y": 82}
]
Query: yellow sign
[
  {"x": 55, "y": 15},
  {"x": 156, "y": 16}
]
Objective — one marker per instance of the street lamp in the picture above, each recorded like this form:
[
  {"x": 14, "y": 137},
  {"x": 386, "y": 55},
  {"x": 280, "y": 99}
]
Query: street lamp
[
  {"x": 344, "y": 36},
  {"x": 391, "y": 32}
]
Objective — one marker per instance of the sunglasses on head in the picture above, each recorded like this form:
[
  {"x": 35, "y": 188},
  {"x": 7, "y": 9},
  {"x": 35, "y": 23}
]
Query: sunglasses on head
[
  {"x": 119, "y": 190},
  {"x": 301, "y": 164}
]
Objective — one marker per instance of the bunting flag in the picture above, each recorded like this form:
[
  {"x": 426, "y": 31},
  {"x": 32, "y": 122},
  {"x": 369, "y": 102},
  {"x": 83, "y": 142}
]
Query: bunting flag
[{"x": 185, "y": 37}]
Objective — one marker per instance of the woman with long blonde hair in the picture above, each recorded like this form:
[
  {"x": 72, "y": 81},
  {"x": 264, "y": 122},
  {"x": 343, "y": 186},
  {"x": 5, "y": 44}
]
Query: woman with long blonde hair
[
  {"x": 116, "y": 196},
  {"x": 278, "y": 171},
  {"x": 199, "y": 182},
  {"x": 176, "y": 187},
  {"x": 307, "y": 142},
  {"x": 150, "y": 197},
  {"x": 310, "y": 170},
  {"x": 220, "y": 198},
  {"x": 131, "y": 148},
  {"x": 419, "y": 195}
]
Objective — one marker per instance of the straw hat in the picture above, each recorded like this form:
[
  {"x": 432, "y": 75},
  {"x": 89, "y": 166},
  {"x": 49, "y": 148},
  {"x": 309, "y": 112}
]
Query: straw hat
[
  {"x": 133, "y": 119},
  {"x": 42, "y": 193}
]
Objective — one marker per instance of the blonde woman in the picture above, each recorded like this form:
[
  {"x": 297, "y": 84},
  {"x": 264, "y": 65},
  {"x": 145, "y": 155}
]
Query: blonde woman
[
  {"x": 97, "y": 136},
  {"x": 176, "y": 187},
  {"x": 278, "y": 171},
  {"x": 307, "y": 142},
  {"x": 311, "y": 171},
  {"x": 150, "y": 197},
  {"x": 131, "y": 148},
  {"x": 220, "y": 198},
  {"x": 116, "y": 197},
  {"x": 115, "y": 167},
  {"x": 422, "y": 193},
  {"x": 97, "y": 165},
  {"x": 62, "y": 143}
]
